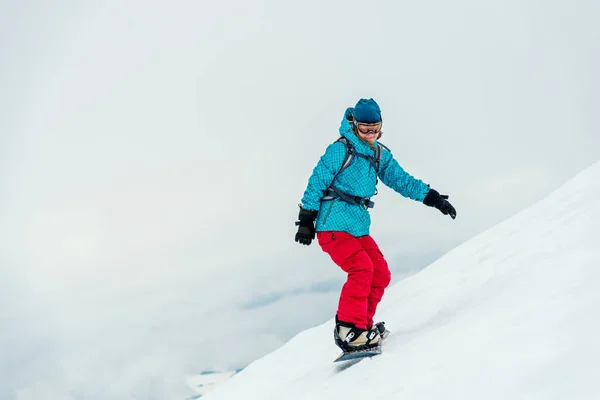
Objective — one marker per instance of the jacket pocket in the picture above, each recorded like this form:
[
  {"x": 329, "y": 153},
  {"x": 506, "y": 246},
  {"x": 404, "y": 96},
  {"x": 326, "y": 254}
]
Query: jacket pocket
[
  {"x": 326, "y": 238},
  {"x": 328, "y": 211}
]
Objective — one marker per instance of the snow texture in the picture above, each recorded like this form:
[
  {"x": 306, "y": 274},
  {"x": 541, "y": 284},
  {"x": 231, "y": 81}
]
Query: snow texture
[{"x": 204, "y": 383}]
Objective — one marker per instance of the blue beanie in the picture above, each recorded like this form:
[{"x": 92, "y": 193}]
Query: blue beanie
[{"x": 367, "y": 111}]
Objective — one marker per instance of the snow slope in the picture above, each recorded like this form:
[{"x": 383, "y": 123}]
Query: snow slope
[
  {"x": 512, "y": 314},
  {"x": 205, "y": 382}
]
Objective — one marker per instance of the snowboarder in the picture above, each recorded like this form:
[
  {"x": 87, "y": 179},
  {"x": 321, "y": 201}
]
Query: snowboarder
[{"x": 335, "y": 208}]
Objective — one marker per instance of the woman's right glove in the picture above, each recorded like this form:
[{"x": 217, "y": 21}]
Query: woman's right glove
[
  {"x": 439, "y": 201},
  {"x": 306, "y": 226}
]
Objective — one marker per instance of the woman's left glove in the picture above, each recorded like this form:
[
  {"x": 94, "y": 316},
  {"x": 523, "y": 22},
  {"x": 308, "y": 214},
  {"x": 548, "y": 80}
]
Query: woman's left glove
[
  {"x": 306, "y": 226},
  {"x": 439, "y": 201}
]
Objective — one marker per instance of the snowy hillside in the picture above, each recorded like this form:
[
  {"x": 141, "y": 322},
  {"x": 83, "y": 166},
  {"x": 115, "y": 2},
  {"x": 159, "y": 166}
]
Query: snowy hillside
[
  {"x": 207, "y": 381},
  {"x": 511, "y": 314}
]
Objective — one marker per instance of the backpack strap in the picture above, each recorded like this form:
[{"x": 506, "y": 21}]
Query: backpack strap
[
  {"x": 375, "y": 161},
  {"x": 379, "y": 153},
  {"x": 350, "y": 152},
  {"x": 333, "y": 193}
]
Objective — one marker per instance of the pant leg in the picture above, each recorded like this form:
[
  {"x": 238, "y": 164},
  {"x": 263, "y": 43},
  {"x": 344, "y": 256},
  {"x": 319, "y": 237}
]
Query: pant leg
[
  {"x": 381, "y": 276},
  {"x": 346, "y": 251}
]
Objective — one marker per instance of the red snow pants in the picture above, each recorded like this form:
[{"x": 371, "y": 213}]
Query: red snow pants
[{"x": 368, "y": 275}]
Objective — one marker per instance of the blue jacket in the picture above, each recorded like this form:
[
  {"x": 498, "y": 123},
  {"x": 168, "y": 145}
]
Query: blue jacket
[{"x": 357, "y": 179}]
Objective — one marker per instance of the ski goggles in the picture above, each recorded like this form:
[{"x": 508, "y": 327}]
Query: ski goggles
[{"x": 368, "y": 129}]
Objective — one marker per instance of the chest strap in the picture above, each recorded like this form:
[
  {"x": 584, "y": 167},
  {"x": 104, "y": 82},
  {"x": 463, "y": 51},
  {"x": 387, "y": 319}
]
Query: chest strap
[{"x": 333, "y": 193}]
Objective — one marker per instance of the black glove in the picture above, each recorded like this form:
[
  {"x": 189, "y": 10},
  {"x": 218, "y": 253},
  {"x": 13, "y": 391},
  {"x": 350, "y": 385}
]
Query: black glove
[
  {"x": 439, "y": 201},
  {"x": 306, "y": 226}
]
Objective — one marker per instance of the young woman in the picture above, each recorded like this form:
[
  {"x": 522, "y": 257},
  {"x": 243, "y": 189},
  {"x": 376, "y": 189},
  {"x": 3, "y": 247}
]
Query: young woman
[{"x": 335, "y": 208}]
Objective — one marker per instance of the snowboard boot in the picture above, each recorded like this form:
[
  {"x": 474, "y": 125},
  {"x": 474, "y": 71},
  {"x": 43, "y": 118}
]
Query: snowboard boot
[
  {"x": 350, "y": 338},
  {"x": 380, "y": 328}
]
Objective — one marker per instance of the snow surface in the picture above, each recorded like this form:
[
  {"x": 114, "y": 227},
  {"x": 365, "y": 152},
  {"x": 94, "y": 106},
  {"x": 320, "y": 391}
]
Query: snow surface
[
  {"x": 511, "y": 314},
  {"x": 204, "y": 383}
]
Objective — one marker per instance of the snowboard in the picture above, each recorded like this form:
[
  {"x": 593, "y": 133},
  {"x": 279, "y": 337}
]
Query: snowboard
[{"x": 353, "y": 355}]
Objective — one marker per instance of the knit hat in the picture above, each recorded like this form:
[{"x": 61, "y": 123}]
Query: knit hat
[{"x": 367, "y": 111}]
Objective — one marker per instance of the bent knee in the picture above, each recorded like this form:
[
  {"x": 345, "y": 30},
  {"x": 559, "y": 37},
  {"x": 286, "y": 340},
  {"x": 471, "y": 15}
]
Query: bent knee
[{"x": 382, "y": 276}]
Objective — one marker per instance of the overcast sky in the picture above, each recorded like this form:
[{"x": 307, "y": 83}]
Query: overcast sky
[{"x": 152, "y": 156}]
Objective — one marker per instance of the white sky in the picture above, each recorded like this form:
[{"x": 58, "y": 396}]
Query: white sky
[{"x": 152, "y": 156}]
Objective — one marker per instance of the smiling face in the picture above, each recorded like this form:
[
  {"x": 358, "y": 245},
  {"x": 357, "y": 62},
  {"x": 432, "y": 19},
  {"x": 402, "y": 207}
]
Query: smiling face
[{"x": 368, "y": 132}]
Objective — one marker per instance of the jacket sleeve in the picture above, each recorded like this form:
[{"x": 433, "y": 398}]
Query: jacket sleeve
[
  {"x": 322, "y": 176},
  {"x": 394, "y": 176}
]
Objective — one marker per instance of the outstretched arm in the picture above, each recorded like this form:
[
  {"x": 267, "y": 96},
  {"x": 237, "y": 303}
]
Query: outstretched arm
[{"x": 394, "y": 176}]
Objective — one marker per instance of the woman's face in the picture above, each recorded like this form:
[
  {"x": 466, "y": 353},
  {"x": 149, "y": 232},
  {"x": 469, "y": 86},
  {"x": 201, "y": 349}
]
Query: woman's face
[{"x": 368, "y": 132}]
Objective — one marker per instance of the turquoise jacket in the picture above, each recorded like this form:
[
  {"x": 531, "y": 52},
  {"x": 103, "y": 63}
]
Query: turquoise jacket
[{"x": 357, "y": 179}]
